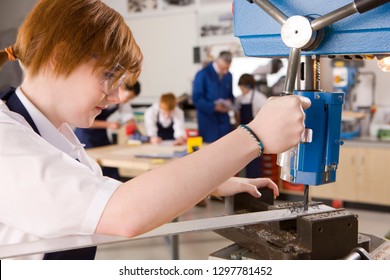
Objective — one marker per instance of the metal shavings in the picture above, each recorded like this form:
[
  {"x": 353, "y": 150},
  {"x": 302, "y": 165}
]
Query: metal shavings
[{"x": 297, "y": 207}]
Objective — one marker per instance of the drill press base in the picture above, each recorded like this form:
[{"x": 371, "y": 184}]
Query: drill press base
[{"x": 324, "y": 236}]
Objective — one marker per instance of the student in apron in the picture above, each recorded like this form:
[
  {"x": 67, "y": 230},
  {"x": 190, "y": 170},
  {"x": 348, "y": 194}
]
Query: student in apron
[
  {"x": 165, "y": 121},
  {"x": 71, "y": 73},
  {"x": 247, "y": 106}
]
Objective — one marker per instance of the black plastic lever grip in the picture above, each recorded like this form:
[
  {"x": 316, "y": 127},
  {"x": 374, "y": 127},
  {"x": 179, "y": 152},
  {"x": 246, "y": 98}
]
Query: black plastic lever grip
[{"x": 365, "y": 5}]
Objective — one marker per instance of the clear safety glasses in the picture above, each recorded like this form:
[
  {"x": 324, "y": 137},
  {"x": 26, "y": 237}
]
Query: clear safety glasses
[{"x": 111, "y": 82}]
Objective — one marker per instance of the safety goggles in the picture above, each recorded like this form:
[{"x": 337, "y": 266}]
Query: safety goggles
[{"x": 111, "y": 82}]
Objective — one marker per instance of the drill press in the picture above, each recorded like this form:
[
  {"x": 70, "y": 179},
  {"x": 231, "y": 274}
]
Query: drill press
[
  {"x": 321, "y": 28},
  {"x": 316, "y": 28}
]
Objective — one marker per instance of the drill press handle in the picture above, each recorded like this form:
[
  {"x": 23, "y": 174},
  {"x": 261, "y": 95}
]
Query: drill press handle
[{"x": 303, "y": 33}]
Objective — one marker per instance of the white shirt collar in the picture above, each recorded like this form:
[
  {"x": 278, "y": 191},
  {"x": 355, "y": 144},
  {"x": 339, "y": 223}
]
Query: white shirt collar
[
  {"x": 246, "y": 98},
  {"x": 216, "y": 68},
  {"x": 63, "y": 138}
]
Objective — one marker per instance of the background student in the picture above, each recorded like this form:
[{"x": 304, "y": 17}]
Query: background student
[
  {"x": 164, "y": 120},
  {"x": 247, "y": 105},
  {"x": 124, "y": 115}
]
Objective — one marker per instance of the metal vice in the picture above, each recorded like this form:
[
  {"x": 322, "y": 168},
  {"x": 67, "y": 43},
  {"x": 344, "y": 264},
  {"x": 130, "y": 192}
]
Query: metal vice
[{"x": 322, "y": 236}]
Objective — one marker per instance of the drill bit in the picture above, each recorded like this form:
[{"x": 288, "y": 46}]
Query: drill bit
[{"x": 306, "y": 198}]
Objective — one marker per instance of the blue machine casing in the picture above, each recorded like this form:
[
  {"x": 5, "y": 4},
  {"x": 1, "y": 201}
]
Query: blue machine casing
[
  {"x": 315, "y": 163},
  {"x": 366, "y": 33}
]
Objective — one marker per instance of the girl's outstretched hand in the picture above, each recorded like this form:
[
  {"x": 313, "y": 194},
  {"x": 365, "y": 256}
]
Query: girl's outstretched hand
[{"x": 236, "y": 185}]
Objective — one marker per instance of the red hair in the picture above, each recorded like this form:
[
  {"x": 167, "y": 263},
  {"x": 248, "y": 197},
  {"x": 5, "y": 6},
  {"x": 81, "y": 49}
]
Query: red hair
[{"x": 168, "y": 99}]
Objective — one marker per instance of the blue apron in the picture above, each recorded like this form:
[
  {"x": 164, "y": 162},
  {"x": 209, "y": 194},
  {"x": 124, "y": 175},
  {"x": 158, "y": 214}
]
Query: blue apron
[
  {"x": 253, "y": 169},
  {"x": 97, "y": 137},
  {"x": 15, "y": 105},
  {"x": 165, "y": 133}
]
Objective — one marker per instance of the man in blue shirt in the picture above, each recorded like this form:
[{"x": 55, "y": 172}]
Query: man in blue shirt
[{"x": 213, "y": 98}]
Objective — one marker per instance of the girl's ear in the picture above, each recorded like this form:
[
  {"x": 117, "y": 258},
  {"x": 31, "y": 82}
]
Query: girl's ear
[{"x": 56, "y": 55}]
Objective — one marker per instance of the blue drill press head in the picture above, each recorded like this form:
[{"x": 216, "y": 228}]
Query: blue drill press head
[
  {"x": 260, "y": 34},
  {"x": 314, "y": 161},
  {"x": 315, "y": 28}
]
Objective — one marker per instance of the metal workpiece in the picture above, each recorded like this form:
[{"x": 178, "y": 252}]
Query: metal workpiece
[{"x": 173, "y": 228}]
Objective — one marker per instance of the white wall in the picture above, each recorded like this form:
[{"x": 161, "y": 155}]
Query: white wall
[
  {"x": 167, "y": 41},
  {"x": 382, "y": 91},
  {"x": 167, "y": 44},
  {"x": 12, "y": 12}
]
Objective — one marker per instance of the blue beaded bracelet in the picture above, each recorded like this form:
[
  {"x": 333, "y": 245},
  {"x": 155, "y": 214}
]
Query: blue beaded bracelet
[{"x": 254, "y": 136}]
